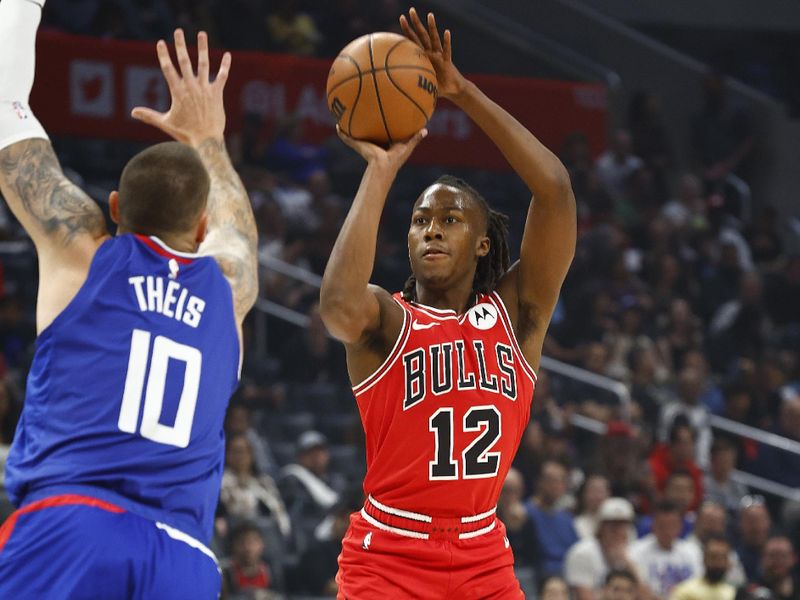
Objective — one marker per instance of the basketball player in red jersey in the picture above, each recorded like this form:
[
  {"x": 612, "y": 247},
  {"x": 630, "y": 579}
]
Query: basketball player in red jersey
[{"x": 444, "y": 372}]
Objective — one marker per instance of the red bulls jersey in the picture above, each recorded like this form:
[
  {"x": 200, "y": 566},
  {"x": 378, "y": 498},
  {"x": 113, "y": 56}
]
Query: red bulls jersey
[{"x": 445, "y": 412}]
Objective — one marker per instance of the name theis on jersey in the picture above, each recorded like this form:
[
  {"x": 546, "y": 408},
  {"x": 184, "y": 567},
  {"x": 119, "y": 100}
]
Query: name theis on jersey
[
  {"x": 167, "y": 297},
  {"x": 448, "y": 369}
]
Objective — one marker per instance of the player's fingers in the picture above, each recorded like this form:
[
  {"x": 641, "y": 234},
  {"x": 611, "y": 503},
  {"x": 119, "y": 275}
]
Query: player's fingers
[
  {"x": 419, "y": 28},
  {"x": 448, "y": 46},
  {"x": 184, "y": 62},
  {"x": 202, "y": 56},
  {"x": 224, "y": 70},
  {"x": 167, "y": 68},
  {"x": 433, "y": 32},
  {"x": 408, "y": 31},
  {"x": 406, "y": 148},
  {"x": 147, "y": 115}
]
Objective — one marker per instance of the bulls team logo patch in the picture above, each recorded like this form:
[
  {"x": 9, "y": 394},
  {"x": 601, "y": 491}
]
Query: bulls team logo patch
[{"x": 482, "y": 316}]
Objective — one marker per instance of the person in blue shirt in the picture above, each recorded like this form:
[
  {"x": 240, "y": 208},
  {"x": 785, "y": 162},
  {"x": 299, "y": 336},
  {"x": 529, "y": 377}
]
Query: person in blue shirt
[
  {"x": 116, "y": 462},
  {"x": 555, "y": 527}
]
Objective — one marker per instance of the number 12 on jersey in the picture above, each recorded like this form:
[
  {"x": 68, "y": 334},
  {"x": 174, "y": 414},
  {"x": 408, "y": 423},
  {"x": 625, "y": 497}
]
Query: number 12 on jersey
[
  {"x": 477, "y": 461},
  {"x": 164, "y": 350}
]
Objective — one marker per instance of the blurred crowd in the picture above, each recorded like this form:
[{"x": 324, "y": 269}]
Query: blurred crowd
[
  {"x": 680, "y": 289},
  {"x": 296, "y": 26}
]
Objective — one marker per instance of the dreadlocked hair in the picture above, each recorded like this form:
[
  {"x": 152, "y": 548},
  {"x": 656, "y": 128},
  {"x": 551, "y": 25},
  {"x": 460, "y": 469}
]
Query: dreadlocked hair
[{"x": 496, "y": 262}]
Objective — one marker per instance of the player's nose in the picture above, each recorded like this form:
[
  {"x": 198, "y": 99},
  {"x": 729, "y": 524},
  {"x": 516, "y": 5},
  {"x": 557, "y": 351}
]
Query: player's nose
[{"x": 434, "y": 230}]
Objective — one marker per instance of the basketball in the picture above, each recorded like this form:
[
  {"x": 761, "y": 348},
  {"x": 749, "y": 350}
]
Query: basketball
[{"x": 381, "y": 88}]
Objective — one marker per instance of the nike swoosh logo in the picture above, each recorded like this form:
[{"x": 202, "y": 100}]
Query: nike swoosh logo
[{"x": 417, "y": 326}]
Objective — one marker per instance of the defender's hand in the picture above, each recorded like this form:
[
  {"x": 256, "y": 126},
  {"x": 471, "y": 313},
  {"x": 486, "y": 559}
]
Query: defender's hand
[
  {"x": 394, "y": 157},
  {"x": 450, "y": 80},
  {"x": 197, "y": 112}
]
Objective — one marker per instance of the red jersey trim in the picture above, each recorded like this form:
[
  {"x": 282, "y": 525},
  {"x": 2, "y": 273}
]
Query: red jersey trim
[
  {"x": 159, "y": 247},
  {"x": 495, "y": 298},
  {"x": 405, "y": 332},
  {"x": 61, "y": 500}
]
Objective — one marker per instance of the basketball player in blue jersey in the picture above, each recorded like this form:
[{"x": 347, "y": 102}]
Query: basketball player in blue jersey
[{"x": 117, "y": 460}]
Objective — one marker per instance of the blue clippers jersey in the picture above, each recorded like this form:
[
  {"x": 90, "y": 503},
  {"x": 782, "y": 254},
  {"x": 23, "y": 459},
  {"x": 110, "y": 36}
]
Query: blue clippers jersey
[{"x": 129, "y": 385}]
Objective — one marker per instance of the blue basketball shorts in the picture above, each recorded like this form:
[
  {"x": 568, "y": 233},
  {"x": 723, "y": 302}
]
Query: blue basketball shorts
[{"x": 74, "y": 547}]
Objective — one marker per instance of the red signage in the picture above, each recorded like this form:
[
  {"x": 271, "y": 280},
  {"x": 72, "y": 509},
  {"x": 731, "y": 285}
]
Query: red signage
[{"x": 87, "y": 87}]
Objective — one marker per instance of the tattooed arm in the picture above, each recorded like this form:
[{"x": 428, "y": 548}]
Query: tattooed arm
[
  {"x": 197, "y": 117},
  {"x": 232, "y": 239},
  {"x": 66, "y": 226}
]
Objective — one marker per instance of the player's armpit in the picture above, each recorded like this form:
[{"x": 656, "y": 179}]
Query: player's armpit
[{"x": 55, "y": 212}]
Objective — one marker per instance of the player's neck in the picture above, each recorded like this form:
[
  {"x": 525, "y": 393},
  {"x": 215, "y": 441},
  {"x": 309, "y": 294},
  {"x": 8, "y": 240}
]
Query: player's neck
[
  {"x": 180, "y": 243},
  {"x": 455, "y": 298}
]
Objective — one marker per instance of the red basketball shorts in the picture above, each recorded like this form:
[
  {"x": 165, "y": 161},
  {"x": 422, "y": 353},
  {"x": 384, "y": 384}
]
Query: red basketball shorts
[{"x": 381, "y": 561}]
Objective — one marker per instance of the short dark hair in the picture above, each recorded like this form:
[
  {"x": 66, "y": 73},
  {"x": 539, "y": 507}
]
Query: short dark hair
[
  {"x": 490, "y": 267},
  {"x": 163, "y": 190},
  {"x": 679, "y": 473},
  {"x": 242, "y": 529},
  {"x": 680, "y": 422},
  {"x": 716, "y": 538},
  {"x": 666, "y": 506},
  {"x": 621, "y": 574}
]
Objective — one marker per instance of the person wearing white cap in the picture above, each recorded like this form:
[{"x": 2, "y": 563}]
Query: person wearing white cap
[{"x": 589, "y": 561}]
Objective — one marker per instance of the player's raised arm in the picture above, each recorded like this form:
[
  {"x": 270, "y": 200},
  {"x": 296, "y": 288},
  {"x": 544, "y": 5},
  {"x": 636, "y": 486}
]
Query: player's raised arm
[
  {"x": 352, "y": 309},
  {"x": 64, "y": 223},
  {"x": 530, "y": 288},
  {"x": 197, "y": 117}
]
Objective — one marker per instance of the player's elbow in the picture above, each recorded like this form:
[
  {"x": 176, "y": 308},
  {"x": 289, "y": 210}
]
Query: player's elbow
[{"x": 343, "y": 318}]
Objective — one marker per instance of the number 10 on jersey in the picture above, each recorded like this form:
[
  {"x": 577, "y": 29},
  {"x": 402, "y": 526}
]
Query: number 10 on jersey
[{"x": 164, "y": 350}]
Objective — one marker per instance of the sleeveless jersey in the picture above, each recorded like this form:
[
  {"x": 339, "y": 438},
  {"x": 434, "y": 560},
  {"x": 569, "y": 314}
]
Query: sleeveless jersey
[
  {"x": 129, "y": 385},
  {"x": 445, "y": 413}
]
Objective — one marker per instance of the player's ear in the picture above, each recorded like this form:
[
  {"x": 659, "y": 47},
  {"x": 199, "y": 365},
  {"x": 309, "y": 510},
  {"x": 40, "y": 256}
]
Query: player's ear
[
  {"x": 202, "y": 229},
  {"x": 484, "y": 245},
  {"x": 113, "y": 206}
]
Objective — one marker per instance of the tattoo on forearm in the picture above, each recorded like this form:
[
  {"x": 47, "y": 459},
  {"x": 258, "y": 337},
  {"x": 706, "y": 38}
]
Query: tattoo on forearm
[
  {"x": 230, "y": 215},
  {"x": 32, "y": 173}
]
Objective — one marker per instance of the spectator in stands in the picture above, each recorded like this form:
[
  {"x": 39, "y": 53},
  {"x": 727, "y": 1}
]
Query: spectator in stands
[
  {"x": 616, "y": 165},
  {"x": 520, "y": 528},
  {"x": 712, "y": 584},
  {"x": 316, "y": 572},
  {"x": 711, "y": 522},
  {"x": 687, "y": 211},
  {"x": 594, "y": 490},
  {"x": 620, "y": 584},
  {"x": 763, "y": 237},
  {"x": 681, "y": 333},
  {"x": 313, "y": 356},
  {"x": 292, "y": 30},
  {"x": 662, "y": 560},
  {"x": 646, "y": 391},
  {"x": 740, "y": 326},
  {"x": 755, "y": 525},
  {"x": 649, "y": 134},
  {"x": 691, "y": 385},
  {"x": 778, "y": 562},
  {"x": 238, "y": 422},
  {"x": 616, "y": 457},
  {"x": 247, "y": 576},
  {"x": 589, "y": 561},
  {"x": 245, "y": 493},
  {"x": 717, "y": 483},
  {"x": 554, "y": 527},
  {"x": 305, "y": 484},
  {"x": 679, "y": 490},
  {"x": 677, "y": 454},
  {"x": 553, "y": 587},
  {"x": 722, "y": 134},
  {"x": 777, "y": 464}
]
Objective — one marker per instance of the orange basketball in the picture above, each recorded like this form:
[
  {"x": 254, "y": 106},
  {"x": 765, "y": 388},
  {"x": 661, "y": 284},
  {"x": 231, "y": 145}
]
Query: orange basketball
[{"x": 381, "y": 88}]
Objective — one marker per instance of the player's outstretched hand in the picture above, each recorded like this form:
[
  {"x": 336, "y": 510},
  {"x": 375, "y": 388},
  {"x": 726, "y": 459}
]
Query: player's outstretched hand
[
  {"x": 450, "y": 80},
  {"x": 197, "y": 112},
  {"x": 394, "y": 157}
]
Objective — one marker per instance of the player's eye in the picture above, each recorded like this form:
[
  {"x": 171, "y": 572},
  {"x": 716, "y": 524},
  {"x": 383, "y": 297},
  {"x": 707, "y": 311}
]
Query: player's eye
[
  {"x": 451, "y": 220},
  {"x": 419, "y": 220}
]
